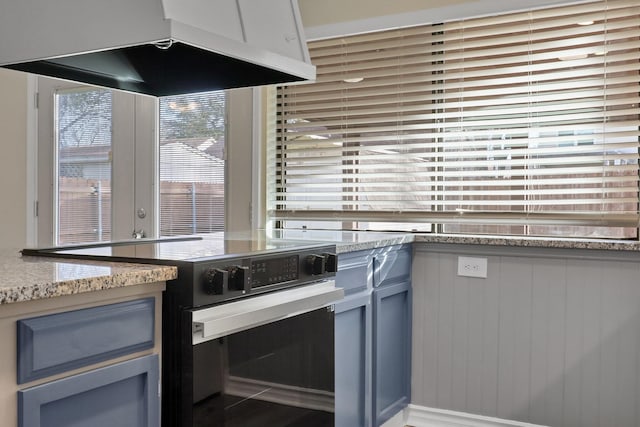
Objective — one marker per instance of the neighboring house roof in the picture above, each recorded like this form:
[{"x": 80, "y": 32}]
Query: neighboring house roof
[
  {"x": 203, "y": 157},
  {"x": 98, "y": 153},
  {"x": 210, "y": 146},
  {"x": 203, "y": 167}
]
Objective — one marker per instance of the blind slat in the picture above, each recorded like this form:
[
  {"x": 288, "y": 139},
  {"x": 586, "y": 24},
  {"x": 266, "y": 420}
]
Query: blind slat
[{"x": 471, "y": 174}]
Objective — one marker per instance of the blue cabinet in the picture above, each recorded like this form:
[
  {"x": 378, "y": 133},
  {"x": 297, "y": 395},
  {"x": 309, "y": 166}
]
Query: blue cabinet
[
  {"x": 353, "y": 361},
  {"x": 391, "y": 332},
  {"x": 57, "y": 343},
  {"x": 124, "y": 394},
  {"x": 373, "y": 336},
  {"x": 392, "y": 350},
  {"x": 353, "y": 340}
]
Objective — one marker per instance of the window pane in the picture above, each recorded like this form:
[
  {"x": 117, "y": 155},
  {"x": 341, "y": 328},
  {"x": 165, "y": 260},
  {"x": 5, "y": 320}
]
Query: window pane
[
  {"x": 192, "y": 138},
  {"x": 83, "y": 141}
]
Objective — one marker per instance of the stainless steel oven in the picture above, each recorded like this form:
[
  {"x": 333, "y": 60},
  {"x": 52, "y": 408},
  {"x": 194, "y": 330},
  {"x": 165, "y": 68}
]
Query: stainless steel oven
[
  {"x": 248, "y": 336},
  {"x": 265, "y": 361}
]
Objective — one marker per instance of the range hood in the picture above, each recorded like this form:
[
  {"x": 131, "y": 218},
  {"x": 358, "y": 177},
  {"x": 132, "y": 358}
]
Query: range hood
[{"x": 157, "y": 47}]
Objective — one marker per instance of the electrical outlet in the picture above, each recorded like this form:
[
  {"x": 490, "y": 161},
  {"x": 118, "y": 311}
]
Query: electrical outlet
[{"x": 472, "y": 267}]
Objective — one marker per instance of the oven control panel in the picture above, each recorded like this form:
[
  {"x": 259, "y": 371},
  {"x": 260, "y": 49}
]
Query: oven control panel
[
  {"x": 228, "y": 279},
  {"x": 271, "y": 271}
]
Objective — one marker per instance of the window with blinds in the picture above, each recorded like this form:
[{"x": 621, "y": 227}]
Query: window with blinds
[
  {"x": 192, "y": 139},
  {"x": 524, "y": 123},
  {"x": 83, "y": 165}
]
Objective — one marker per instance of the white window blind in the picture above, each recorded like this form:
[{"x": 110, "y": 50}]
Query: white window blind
[
  {"x": 83, "y": 165},
  {"x": 192, "y": 138},
  {"x": 523, "y": 123}
]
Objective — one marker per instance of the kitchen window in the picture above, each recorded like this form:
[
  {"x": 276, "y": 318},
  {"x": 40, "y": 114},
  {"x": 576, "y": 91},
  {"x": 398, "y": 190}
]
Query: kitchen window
[
  {"x": 192, "y": 141},
  {"x": 106, "y": 174},
  {"x": 519, "y": 124},
  {"x": 83, "y": 161}
]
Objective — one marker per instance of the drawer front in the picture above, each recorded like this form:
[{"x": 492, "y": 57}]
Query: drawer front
[
  {"x": 354, "y": 272},
  {"x": 124, "y": 395},
  {"x": 57, "y": 343},
  {"x": 392, "y": 265}
]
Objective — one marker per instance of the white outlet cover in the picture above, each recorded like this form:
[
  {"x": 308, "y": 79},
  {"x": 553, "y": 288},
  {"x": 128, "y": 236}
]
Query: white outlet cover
[{"x": 472, "y": 267}]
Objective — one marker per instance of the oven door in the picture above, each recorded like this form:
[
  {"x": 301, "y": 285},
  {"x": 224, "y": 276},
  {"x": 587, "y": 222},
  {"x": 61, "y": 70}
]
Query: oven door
[{"x": 266, "y": 361}]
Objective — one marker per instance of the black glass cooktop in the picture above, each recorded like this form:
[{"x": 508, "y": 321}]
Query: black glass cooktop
[{"x": 188, "y": 248}]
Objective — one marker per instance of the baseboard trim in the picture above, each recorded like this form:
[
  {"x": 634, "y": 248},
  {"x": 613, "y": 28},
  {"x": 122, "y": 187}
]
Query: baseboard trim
[{"x": 421, "y": 416}]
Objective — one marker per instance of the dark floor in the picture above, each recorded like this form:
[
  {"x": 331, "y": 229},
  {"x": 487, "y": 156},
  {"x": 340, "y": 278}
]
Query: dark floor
[{"x": 256, "y": 413}]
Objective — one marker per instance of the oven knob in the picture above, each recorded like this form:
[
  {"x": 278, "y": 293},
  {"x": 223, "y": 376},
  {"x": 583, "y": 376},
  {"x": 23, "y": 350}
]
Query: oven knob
[
  {"x": 239, "y": 278},
  {"x": 315, "y": 264},
  {"x": 215, "y": 280},
  {"x": 330, "y": 263}
]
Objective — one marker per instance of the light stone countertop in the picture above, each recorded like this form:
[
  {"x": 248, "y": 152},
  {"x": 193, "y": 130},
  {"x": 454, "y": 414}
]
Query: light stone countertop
[
  {"x": 30, "y": 278},
  {"x": 530, "y": 242},
  {"x": 351, "y": 241},
  {"x": 348, "y": 241}
]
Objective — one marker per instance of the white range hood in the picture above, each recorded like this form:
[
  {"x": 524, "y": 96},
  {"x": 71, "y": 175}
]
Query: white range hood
[{"x": 157, "y": 47}]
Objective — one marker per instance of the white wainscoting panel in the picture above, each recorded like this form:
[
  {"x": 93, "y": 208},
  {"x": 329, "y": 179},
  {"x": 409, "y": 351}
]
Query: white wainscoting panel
[{"x": 550, "y": 337}]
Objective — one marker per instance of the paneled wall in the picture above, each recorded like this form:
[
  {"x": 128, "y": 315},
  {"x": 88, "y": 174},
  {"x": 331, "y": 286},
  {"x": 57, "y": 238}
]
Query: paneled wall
[{"x": 550, "y": 337}]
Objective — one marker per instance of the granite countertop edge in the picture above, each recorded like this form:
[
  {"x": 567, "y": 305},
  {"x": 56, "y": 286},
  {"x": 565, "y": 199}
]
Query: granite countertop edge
[
  {"x": 375, "y": 243},
  {"x": 531, "y": 242},
  {"x": 27, "y": 278},
  {"x": 356, "y": 241}
]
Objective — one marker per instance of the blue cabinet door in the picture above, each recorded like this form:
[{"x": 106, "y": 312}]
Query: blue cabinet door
[
  {"x": 122, "y": 395},
  {"x": 60, "y": 342},
  {"x": 392, "y": 264},
  {"x": 373, "y": 336},
  {"x": 353, "y": 361},
  {"x": 392, "y": 350},
  {"x": 355, "y": 272}
]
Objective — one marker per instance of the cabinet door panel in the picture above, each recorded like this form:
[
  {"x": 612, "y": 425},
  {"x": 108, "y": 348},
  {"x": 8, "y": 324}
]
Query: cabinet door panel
[
  {"x": 56, "y": 343},
  {"x": 392, "y": 266},
  {"x": 355, "y": 272},
  {"x": 123, "y": 395},
  {"x": 392, "y": 350},
  {"x": 353, "y": 361}
]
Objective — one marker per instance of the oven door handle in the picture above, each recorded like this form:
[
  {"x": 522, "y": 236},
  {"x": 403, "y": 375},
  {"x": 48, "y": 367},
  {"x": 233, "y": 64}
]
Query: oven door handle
[{"x": 226, "y": 319}]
